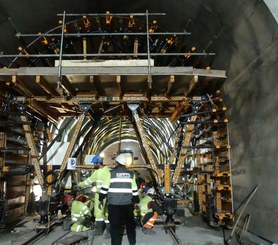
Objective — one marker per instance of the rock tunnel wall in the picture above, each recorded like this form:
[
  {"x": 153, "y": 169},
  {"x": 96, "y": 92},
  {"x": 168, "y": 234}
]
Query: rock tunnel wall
[{"x": 251, "y": 94}]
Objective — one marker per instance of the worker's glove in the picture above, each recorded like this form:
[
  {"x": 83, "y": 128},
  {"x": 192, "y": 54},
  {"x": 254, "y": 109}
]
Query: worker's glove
[
  {"x": 100, "y": 205},
  {"x": 87, "y": 222},
  {"x": 136, "y": 206}
]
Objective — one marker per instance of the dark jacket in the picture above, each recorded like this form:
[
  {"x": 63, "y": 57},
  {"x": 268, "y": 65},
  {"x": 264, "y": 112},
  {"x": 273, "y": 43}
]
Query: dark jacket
[{"x": 120, "y": 187}]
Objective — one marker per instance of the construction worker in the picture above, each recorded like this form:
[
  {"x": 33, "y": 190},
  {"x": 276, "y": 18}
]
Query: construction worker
[
  {"x": 137, "y": 213},
  {"x": 81, "y": 214},
  {"x": 101, "y": 215},
  {"x": 149, "y": 210},
  {"x": 121, "y": 191}
]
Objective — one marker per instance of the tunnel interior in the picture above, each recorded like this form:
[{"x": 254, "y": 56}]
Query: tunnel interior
[{"x": 236, "y": 69}]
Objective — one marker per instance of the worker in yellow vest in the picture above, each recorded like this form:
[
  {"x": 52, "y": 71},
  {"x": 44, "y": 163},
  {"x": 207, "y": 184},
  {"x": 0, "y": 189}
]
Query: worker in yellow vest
[
  {"x": 81, "y": 214},
  {"x": 101, "y": 215},
  {"x": 149, "y": 210},
  {"x": 137, "y": 212}
]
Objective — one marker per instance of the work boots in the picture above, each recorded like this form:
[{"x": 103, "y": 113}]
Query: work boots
[
  {"x": 99, "y": 229},
  {"x": 107, "y": 231}
]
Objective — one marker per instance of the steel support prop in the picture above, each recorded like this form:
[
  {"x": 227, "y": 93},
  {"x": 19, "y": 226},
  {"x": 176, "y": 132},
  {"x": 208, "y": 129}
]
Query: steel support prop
[
  {"x": 167, "y": 182},
  {"x": 183, "y": 151},
  {"x": 33, "y": 149},
  {"x": 133, "y": 108}
]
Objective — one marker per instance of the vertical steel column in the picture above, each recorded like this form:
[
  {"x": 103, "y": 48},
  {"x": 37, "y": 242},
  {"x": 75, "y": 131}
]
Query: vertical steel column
[
  {"x": 148, "y": 50},
  {"x": 120, "y": 135},
  {"x": 61, "y": 52},
  {"x": 183, "y": 151},
  {"x": 34, "y": 150}
]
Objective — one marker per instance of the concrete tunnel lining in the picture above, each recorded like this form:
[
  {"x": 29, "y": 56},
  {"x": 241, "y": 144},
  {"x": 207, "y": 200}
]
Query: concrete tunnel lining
[{"x": 244, "y": 35}]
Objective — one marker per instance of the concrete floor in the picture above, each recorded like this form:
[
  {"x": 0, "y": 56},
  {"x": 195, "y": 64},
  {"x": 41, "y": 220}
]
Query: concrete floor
[{"x": 192, "y": 231}]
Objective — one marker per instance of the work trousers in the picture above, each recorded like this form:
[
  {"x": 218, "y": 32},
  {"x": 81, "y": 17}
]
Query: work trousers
[
  {"x": 100, "y": 214},
  {"x": 117, "y": 214},
  {"x": 149, "y": 219}
]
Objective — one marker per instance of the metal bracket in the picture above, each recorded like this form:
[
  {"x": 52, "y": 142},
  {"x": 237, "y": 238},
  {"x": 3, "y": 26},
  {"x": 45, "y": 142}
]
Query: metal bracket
[{"x": 133, "y": 107}]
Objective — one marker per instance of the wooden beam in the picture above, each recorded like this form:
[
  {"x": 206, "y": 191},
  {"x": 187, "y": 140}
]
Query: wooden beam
[
  {"x": 22, "y": 86},
  {"x": 118, "y": 81},
  {"x": 183, "y": 105},
  {"x": 92, "y": 84},
  {"x": 192, "y": 85},
  {"x": 46, "y": 87},
  {"x": 42, "y": 110},
  {"x": 66, "y": 85},
  {"x": 170, "y": 84}
]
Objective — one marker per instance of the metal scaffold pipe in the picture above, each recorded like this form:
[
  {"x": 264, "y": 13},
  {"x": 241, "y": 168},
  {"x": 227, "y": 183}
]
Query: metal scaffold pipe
[
  {"x": 114, "y": 14},
  {"x": 101, "y": 34}
]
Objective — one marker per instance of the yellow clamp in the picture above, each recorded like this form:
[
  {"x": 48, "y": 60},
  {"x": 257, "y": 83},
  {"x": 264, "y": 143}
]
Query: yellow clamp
[
  {"x": 108, "y": 18},
  {"x": 131, "y": 21},
  {"x": 86, "y": 21},
  {"x": 23, "y": 50}
]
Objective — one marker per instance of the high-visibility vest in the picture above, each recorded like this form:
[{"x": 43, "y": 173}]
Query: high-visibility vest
[
  {"x": 120, "y": 187},
  {"x": 144, "y": 209},
  {"x": 97, "y": 177},
  {"x": 78, "y": 212},
  {"x": 144, "y": 205}
]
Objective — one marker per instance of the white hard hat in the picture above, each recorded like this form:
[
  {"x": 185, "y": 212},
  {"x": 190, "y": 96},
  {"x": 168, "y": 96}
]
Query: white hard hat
[
  {"x": 121, "y": 158},
  {"x": 151, "y": 191}
]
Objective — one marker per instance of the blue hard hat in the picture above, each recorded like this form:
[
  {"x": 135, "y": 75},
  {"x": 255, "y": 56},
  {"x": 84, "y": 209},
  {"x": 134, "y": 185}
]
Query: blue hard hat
[{"x": 97, "y": 159}]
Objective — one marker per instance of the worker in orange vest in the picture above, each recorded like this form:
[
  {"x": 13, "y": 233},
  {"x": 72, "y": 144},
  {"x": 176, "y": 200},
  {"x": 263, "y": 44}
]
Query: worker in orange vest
[{"x": 149, "y": 210}]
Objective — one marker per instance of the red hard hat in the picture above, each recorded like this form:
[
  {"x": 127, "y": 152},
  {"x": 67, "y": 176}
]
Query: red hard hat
[
  {"x": 143, "y": 185},
  {"x": 81, "y": 198},
  {"x": 68, "y": 198}
]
